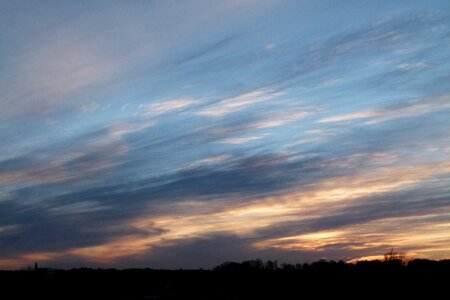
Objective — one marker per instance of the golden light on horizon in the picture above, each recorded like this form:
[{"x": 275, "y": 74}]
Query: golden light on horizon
[{"x": 181, "y": 222}]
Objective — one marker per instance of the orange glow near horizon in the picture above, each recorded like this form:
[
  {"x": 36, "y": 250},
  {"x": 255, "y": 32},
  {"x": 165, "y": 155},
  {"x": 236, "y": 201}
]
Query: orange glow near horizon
[{"x": 190, "y": 220}]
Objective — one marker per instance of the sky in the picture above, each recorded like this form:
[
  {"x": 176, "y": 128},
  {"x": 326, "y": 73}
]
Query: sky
[{"x": 182, "y": 134}]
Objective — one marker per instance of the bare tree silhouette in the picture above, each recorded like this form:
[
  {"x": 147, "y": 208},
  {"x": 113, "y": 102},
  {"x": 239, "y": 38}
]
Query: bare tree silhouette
[{"x": 393, "y": 256}]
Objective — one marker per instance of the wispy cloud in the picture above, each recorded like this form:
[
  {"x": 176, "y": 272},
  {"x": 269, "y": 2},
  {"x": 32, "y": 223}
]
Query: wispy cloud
[
  {"x": 237, "y": 103},
  {"x": 240, "y": 140},
  {"x": 280, "y": 119},
  {"x": 226, "y": 132},
  {"x": 78, "y": 208},
  {"x": 350, "y": 117},
  {"x": 9, "y": 229},
  {"x": 426, "y": 239},
  {"x": 270, "y": 46},
  {"x": 213, "y": 160},
  {"x": 160, "y": 108},
  {"x": 192, "y": 219},
  {"x": 405, "y": 110}
]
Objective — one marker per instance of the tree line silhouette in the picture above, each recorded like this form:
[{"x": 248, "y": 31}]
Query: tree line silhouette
[{"x": 393, "y": 276}]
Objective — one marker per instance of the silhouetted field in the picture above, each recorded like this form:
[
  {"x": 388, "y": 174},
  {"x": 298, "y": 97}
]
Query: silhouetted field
[{"x": 254, "y": 279}]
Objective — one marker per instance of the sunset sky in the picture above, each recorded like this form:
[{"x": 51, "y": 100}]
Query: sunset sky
[{"x": 182, "y": 134}]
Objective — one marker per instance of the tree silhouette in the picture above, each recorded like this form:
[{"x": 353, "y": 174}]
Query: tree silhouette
[
  {"x": 392, "y": 256},
  {"x": 251, "y": 279}
]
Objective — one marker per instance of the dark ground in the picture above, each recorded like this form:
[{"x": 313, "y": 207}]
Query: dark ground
[{"x": 422, "y": 279}]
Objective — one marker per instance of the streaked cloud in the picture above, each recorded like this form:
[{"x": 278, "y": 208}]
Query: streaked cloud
[
  {"x": 241, "y": 140},
  {"x": 423, "y": 241},
  {"x": 237, "y": 103},
  {"x": 9, "y": 229},
  {"x": 191, "y": 219},
  {"x": 270, "y": 46},
  {"x": 252, "y": 130},
  {"x": 281, "y": 119},
  {"x": 406, "y": 110},
  {"x": 156, "y": 109},
  {"x": 350, "y": 117},
  {"x": 78, "y": 208}
]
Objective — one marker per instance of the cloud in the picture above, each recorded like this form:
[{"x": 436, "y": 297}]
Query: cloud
[
  {"x": 394, "y": 112},
  {"x": 156, "y": 109},
  {"x": 241, "y": 140},
  {"x": 412, "y": 66},
  {"x": 349, "y": 117},
  {"x": 66, "y": 63},
  {"x": 147, "y": 225},
  {"x": 270, "y": 46},
  {"x": 59, "y": 66},
  {"x": 238, "y": 188},
  {"x": 242, "y": 158},
  {"x": 418, "y": 236},
  {"x": 118, "y": 130},
  {"x": 9, "y": 229},
  {"x": 213, "y": 160},
  {"x": 280, "y": 119},
  {"x": 189, "y": 220},
  {"x": 85, "y": 158},
  {"x": 237, "y": 103},
  {"x": 78, "y": 208}
]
